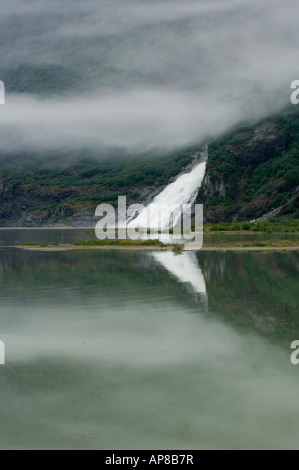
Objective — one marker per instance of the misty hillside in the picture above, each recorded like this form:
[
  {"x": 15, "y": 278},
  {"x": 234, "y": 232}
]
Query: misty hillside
[
  {"x": 251, "y": 172},
  {"x": 113, "y": 97},
  {"x": 140, "y": 75},
  {"x": 32, "y": 194}
]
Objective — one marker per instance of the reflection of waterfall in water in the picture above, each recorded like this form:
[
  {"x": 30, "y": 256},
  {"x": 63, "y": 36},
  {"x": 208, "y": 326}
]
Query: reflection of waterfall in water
[
  {"x": 186, "y": 269},
  {"x": 182, "y": 191}
]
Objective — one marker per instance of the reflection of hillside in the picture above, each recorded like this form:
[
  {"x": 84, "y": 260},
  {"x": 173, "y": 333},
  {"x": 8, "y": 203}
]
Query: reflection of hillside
[
  {"x": 254, "y": 290},
  {"x": 87, "y": 275},
  {"x": 249, "y": 290}
]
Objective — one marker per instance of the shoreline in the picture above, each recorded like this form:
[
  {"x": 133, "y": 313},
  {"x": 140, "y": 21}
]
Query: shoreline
[
  {"x": 205, "y": 232},
  {"x": 220, "y": 248}
]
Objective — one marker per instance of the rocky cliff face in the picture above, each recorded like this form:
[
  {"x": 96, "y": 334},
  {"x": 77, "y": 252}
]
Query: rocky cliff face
[
  {"x": 57, "y": 207},
  {"x": 253, "y": 172}
]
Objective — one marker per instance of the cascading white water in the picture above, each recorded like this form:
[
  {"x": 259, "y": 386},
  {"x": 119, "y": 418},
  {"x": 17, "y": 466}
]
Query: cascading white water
[{"x": 171, "y": 200}]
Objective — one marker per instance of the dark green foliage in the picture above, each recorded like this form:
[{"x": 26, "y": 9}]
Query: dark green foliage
[
  {"x": 149, "y": 243},
  {"x": 55, "y": 194},
  {"x": 256, "y": 165},
  {"x": 109, "y": 173},
  {"x": 283, "y": 224},
  {"x": 177, "y": 249}
]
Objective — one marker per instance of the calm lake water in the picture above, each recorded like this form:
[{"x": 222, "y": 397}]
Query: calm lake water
[
  {"x": 116, "y": 350},
  {"x": 13, "y": 237}
]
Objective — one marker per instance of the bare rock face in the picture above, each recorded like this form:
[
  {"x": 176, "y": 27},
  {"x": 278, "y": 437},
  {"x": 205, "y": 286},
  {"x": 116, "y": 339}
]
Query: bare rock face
[{"x": 214, "y": 185}]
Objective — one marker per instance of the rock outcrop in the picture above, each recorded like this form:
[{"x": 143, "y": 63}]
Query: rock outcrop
[{"x": 253, "y": 172}]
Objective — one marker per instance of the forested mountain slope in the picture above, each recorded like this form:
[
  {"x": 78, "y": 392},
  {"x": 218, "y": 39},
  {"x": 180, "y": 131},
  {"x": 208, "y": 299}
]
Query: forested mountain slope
[{"x": 253, "y": 171}]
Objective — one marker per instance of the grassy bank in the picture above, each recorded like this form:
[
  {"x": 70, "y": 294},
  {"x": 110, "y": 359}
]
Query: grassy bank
[
  {"x": 93, "y": 243},
  {"x": 273, "y": 226},
  {"x": 156, "y": 243},
  {"x": 279, "y": 245}
]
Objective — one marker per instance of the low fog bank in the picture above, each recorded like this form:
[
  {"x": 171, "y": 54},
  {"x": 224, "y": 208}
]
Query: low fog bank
[
  {"x": 140, "y": 75},
  {"x": 137, "y": 120}
]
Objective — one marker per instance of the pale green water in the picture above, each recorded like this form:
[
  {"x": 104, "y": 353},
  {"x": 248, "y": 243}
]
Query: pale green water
[
  {"x": 113, "y": 350},
  {"x": 13, "y": 237}
]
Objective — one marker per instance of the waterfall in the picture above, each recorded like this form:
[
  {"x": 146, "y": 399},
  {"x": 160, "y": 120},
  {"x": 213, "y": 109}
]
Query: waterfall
[{"x": 182, "y": 191}]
